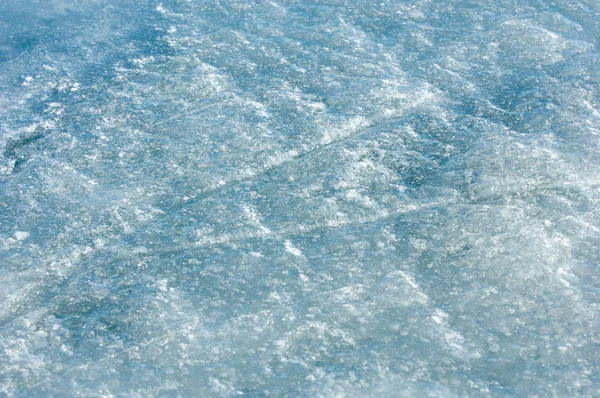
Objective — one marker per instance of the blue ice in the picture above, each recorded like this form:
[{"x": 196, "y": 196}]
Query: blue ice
[{"x": 333, "y": 198}]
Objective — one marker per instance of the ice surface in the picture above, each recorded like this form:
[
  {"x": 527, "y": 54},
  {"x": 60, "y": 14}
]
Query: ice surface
[{"x": 299, "y": 198}]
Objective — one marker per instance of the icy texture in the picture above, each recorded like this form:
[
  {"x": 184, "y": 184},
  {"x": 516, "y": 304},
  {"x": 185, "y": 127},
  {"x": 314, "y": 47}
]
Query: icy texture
[{"x": 299, "y": 198}]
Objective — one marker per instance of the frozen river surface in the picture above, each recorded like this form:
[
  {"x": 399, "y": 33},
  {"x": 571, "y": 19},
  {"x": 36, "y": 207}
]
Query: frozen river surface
[{"x": 299, "y": 198}]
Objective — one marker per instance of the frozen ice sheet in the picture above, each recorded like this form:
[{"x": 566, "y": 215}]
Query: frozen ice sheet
[{"x": 291, "y": 198}]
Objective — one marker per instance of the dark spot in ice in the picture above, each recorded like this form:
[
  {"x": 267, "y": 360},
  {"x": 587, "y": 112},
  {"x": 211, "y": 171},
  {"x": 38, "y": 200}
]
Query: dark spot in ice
[{"x": 14, "y": 147}]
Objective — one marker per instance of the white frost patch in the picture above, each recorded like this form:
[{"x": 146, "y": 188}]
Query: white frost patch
[
  {"x": 439, "y": 316},
  {"x": 289, "y": 247},
  {"x": 254, "y": 218},
  {"x": 281, "y": 158},
  {"x": 351, "y": 127},
  {"x": 21, "y": 235},
  {"x": 364, "y": 200}
]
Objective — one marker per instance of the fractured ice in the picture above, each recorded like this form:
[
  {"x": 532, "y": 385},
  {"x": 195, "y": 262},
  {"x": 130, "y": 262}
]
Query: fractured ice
[{"x": 299, "y": 198}]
